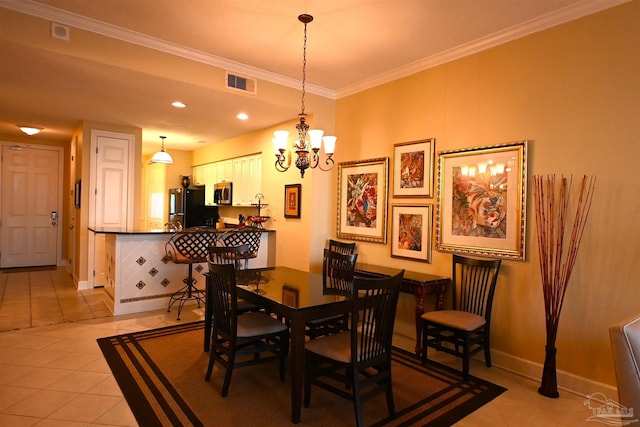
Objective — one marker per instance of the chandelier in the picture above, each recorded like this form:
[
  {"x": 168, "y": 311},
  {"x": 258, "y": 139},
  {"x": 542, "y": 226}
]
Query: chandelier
[
  {"x": 306, "y": 149},
  {"x": 162, "y": 156}
]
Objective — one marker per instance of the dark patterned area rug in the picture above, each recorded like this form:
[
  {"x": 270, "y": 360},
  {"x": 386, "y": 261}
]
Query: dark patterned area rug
[{"x": 161, "y": 373}]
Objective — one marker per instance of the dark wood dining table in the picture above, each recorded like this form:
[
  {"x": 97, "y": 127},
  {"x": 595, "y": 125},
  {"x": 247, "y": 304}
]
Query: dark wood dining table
[{"x": 297, "y": 296}]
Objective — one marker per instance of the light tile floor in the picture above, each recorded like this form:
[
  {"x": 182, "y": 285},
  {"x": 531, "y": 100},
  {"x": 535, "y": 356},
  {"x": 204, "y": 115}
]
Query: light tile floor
[{"x": 52, "y": 372}]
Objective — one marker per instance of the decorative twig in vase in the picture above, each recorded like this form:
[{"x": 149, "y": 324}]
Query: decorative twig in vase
[{"x": 552, "y": 204}]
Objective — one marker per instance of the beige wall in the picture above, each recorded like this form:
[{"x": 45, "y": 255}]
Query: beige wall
[{"x": 573, "y": 91}]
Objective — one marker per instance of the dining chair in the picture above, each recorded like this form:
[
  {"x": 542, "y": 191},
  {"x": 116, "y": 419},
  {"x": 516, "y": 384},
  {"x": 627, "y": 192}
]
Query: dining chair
[
  {"x": 359, "y": 358},
  {"x": 337, "y": 279},
  {"x": 342, "y": 247},
  {"x": 235, "y": 337},
  {"x": 234, "y": 255},
  {"x": 466, "y": 328}
]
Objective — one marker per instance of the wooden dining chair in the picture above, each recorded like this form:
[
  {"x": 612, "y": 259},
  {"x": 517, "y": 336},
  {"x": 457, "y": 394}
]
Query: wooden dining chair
[
  {"x": 240, "y": 340},
  {"x": 360, "y": 357},
  {"x": 466, "y": 326},
  {"x": 237, "y": 256},
  {"x": 342, "y": 247},
  {"x": 337, "y": 279}
]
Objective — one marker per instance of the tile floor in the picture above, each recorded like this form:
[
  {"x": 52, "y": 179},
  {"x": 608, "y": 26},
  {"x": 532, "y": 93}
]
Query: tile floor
[{"x": 52, "y": 372}]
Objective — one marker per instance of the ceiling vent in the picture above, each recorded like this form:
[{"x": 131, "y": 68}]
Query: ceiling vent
[
  {"x": 59, "y": 31},
  {"x": 243, "y": 84}
]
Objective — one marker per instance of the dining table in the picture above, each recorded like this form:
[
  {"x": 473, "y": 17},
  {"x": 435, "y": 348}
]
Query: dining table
[{"x": 298, "y": 297}]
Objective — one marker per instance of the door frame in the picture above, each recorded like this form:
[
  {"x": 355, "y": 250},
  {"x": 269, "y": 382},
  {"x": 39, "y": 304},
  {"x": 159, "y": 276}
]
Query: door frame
[{"x": 61, "y": 206}]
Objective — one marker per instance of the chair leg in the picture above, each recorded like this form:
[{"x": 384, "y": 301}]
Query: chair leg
[
  {"x": 487, "y": 348},
  {"x": 227, "y": 375},
  {"x": 283, "y": 356},
  {"x": 425, "y": 336},
  {"x": 390, "y": 404},
  {"x": 212, "y": 360},
  {"x": 357, "y": 404},
  {"x": 308, "y": 376},
  {"x": 465, "y": 358}
]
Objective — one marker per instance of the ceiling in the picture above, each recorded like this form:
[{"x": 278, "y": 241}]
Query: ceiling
[{"x": 127, "y": 60}]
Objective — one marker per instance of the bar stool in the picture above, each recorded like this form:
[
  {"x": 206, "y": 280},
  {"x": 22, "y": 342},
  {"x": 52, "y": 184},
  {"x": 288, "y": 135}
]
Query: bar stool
[
  {"x": 244, "y": 236},
  {"x": 188, "y": 247}
]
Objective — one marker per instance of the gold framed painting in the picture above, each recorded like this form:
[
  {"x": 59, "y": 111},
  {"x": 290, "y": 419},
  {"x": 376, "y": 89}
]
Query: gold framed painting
[
  {"x": 413, "y": 168},
  {"x": 411, "y": 232},
  {"x": 362, "y": 200},
  {"x": 482, "y": 201}
]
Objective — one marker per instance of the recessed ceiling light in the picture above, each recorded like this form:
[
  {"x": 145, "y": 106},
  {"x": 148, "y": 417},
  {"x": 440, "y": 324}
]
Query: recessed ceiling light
[
  {"x": 30, "y": 130},
  {"x": 178, "y": 104},
  {"x": 242, "y": 116}
]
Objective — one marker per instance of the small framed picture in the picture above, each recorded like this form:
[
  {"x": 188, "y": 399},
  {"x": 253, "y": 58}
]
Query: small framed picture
[
  {"x": 413, "y": 168},
  {"x": 290, "y": 296},
  {"x": 292, "y": 195},
  {"x": 411, "y": 232}
]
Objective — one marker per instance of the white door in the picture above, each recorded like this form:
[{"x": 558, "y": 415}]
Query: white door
[
  {"x": 30, "y": 206},
  {"x": 110, "y": 198}
]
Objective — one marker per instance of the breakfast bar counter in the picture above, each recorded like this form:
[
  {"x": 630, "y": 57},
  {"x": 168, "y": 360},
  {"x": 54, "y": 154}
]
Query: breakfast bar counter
[{"x": 138, "y": 276}]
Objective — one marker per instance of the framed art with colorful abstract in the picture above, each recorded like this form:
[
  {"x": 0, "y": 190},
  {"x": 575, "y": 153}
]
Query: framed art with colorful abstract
[
  {"x": 362, "y": 200},
  {"x": 413, "y": 168},
  {"x": 482, "y": 201},
  {"x": 411, "y": 232}
]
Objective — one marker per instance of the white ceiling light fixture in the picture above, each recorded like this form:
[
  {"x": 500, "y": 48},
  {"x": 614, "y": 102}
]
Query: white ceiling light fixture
[
  {"x": 178, "y": 104},
  {"x": 30, "y": 130},
  {"x": 162, "y": 156},
  {"x": 302, "y": 146},
  {"x": 242, "y": 116}
]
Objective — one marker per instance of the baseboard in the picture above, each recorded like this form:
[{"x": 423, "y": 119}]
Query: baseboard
[
  {"x": 83, "y": 285},
  {"x": 567, "y": 382}
]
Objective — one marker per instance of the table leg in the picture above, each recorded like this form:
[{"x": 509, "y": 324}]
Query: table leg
[
  {"x": 297, "y": 366},
  {"x": 419, "y": 313}
]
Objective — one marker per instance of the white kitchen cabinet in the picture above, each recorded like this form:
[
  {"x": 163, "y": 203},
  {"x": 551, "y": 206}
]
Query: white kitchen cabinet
[
  {"x": 197, "y": 175},
  {"x": 209, "y": 180},
  {"x": 224, "y": 171},
  {"x": 241, "y": 181},
  {"x": 247, "y": 179}
]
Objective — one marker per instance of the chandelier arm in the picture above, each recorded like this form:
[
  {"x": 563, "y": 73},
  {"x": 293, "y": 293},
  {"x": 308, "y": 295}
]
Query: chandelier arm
[
  {"x": 280, "y": 162},
  {"x": 329, "y": 162}
]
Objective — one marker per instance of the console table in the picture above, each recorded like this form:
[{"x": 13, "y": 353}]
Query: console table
[{"x": 418, "y": 284}]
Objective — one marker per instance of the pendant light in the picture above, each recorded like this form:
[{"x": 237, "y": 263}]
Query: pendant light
[{"x": 162, "y": 156}]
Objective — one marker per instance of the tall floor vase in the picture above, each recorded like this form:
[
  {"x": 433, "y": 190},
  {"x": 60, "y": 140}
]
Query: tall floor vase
[{"x": 552, "y": 205}]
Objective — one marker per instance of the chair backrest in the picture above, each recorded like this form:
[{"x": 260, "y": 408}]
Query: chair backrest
[
  {"x": 337, "y": 273},
  {"x": 223, "y": 295},
  {"x": 229, "y": 255},
  {"x": 341, "y": 247},
  {"x": 245, "y": 236},
  {"x": 190, "y": 245},
  {"x": 373, "y": 314},
  {"x": 474, "y": 283},
  {"x": 625, "y": 344}
]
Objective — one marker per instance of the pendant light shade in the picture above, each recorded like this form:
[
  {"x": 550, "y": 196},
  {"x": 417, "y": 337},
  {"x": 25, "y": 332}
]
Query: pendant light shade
[{"x": 162, "y": 156}]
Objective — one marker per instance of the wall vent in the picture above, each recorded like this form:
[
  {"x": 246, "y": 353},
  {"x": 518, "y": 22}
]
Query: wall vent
[
  {"x": 59, "y": 31},
  {"x": 243, "y": 84}
]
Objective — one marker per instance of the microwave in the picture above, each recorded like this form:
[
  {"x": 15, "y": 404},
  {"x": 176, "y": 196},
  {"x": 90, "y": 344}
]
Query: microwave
[{"x": 223, "y": 193}]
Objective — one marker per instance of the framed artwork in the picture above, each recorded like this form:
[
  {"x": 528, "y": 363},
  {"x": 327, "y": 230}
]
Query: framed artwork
[
  {"x": 290, "y": 296},
  {"x": 362, "y": 200},
  {"x": 411, "y": 232},
  {"x": 292, "y": 197},
  {"x": 413, "y": 168},
  {"x": 482, "y": 201}
]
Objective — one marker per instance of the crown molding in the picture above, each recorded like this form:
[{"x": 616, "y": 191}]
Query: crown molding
[
  {"x": 558, "y": 17},
  {"x": 561, "y": 16}
]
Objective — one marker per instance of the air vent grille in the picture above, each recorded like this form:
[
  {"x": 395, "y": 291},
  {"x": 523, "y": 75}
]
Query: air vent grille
[
  {"x": 243, "y": 84},
  {"x": 59, "y": 31}
]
